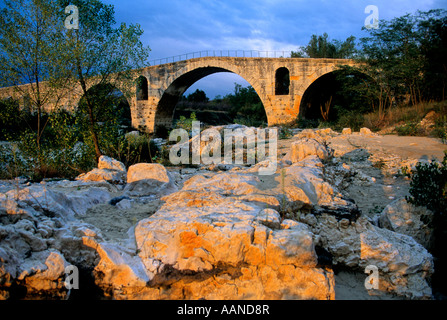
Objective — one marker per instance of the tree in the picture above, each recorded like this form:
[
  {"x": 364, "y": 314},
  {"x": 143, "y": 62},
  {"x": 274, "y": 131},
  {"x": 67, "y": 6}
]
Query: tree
[
  {"x": 406, "y": 56},
  {"x": 33, "y": 51},
  {"x": 321, "y": 47},
  {"x": 401, "y": 62},
  {"x": 103, "y": 53},
  {"x": 391, "y": 54},
  {"x": 197, "y": 96},
  {"x": 433, "y": 47},
  {"x": 246, "y": 106}
]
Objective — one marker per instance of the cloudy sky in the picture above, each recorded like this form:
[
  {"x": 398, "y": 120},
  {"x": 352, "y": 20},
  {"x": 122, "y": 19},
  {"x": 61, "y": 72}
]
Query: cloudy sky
[{"x": 174, "y": 27}]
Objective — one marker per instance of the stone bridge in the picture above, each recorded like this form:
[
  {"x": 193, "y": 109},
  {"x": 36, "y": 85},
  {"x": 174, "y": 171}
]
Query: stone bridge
[{"x": 279, "y": 82}]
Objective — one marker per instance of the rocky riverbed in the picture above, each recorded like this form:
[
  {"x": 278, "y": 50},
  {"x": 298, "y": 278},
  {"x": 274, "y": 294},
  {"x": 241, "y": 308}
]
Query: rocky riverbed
[{"x": 334, "y": 207}]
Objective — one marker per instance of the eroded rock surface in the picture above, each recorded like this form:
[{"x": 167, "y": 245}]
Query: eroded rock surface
[{"x": 213, "y": 232}]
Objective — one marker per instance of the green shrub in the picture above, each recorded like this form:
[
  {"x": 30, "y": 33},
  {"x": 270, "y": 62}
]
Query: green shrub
[
  {"x": 12, "y": 119},
  {"x": 350, "y": 119},
  {"x": 186, "y": 123},
  {"x": 409, "y": 129},
  {"x": 428, "y": 186},
  {"x": 440, "y": 129},
  {"x": 133, "y": 149},
  {"x": 285, "y": 133},
  {"x": 161, "y": 131},
  {"x": 306, "y": 123}
]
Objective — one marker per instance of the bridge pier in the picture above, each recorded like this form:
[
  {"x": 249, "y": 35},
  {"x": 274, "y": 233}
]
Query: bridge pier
[{"x": 279, "y": 110}]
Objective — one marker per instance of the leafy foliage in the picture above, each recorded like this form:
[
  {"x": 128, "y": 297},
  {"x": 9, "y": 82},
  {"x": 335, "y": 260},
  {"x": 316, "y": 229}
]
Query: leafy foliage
[
  {"x": 99, "y": 49},
  {"x": 428, "y": 186},
  {"x": 403, "y": 53},
  {"x": 186, "y": 123},
  {"x": 321, "y": 47},
  {"x": 33, "y": 50},
  {"x": 36, "y": 47},
  {"x": 11, "y": 118},
  {"x": 247, "y": 107},
  {"x": 409, "y": 129},
  {"x": 402, "y": 62},
  {"x": 197, "y": 96}
]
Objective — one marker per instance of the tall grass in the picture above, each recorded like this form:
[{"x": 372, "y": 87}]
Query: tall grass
[{"x": 409, "y": 117}]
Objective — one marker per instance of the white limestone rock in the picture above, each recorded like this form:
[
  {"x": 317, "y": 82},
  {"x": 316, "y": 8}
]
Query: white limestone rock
[
  {"x": 403, "y": 217},
  {"x": 302, "y": 148},
  {"x": 145, "y": 179},
  {"x": 109, "y": 163}
]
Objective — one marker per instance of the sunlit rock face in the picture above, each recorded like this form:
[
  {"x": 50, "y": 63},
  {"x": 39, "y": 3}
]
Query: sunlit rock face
[
  {"x": 208, "y": 242},
  {"x": 219, "y": 234},
  {"x": 145, "y": 179},
  {"x": 109, "y": 170},
  {"x": 232, "y": 249}
]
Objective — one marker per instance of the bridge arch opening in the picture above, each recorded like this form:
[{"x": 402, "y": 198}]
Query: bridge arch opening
[
  {"x": 164, "y": 116},
  {"x": 327, "y": 98},
  {"x": 282, "y": 81},
  {"x": 142, "y": 88}
]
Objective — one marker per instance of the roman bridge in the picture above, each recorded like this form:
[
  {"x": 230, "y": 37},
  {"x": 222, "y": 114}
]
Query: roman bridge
[{"x": 279, "y": 82}]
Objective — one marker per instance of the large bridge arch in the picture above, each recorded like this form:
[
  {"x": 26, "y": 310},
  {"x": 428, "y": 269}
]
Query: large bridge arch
[
  {"x": 183, "y": 79},
  {"x": 325, "y": 86}
]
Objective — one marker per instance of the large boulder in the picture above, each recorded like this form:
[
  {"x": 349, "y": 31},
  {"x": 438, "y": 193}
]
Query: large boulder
[
  {"x": 118, "y": 267},
  {"x": 404, "y": 266},
  {"x": 210, "y": 147},
  {"x": 109, "y": 163},
  {"x": 210, "y": 241},
  {"x": 36, "y": 247},
  {"x": 243, "y": 247},
  {"x": 147, "y": 171},
  {"x": 109, "y": 170},
  {"x": 145, "y": 179},
  {"x": 230, "y": 235},
  {"x": 64, "y": 204},
  {"x": 403, "y": 217},
  {"x": 103, "y": 175},
  {"x": 305, "y": 147},
  {"x": 40, "y": 236},
  {"x": 304, "y": 181}
]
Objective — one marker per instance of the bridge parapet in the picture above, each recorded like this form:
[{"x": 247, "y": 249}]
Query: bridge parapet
[{"x": 222, "y": 54}]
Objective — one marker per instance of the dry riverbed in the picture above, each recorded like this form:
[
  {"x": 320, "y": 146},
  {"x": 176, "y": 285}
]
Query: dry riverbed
[{"x": 151, "y": 231}]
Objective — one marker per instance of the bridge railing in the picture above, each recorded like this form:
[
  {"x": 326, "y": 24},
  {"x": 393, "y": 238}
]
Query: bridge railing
[{"x": 222, "y": 53}]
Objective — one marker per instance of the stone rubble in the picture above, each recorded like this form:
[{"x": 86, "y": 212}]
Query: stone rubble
[{"x": 221, "y": 233}]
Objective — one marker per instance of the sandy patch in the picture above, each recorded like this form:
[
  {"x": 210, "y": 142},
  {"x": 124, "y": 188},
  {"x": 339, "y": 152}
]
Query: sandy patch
[{"x": 115, "y": 222}]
